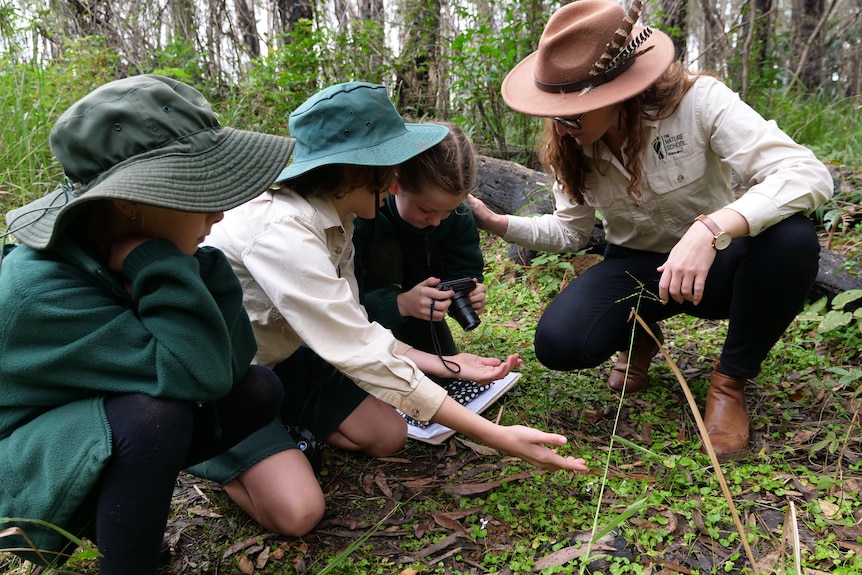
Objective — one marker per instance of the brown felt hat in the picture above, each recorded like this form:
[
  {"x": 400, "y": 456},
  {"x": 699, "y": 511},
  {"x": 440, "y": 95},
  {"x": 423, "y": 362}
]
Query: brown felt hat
[{"x": 574, "y": 70}]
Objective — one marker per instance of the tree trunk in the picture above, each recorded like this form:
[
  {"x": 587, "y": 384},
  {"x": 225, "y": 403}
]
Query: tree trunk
[
  {"x": 807, "y": 15},
  {"x": 417, "y": 72},
  {"x": 247, "y": 26},
  {"x": 289, "y": 12},
  {"x": 183, "y": 17},
  {"x": 764, "y": 31},
  {"x": 714, "y": 40},
  {"x": 372, "y": 11},
  {"x": 675, "y": 23}
]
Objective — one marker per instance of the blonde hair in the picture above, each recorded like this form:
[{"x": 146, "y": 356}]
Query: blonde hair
[
  {"x": 563, "y": 157},
  {"x": 449, "y": 166}
]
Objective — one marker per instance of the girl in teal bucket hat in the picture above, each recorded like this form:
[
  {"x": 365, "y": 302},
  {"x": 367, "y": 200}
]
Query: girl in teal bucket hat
[
  {"x": 126, "y": 348},
  {"x": 292, "y": 249}
]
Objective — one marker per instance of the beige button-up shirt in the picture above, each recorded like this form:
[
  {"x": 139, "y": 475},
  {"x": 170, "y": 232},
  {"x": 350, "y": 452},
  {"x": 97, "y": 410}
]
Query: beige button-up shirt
[
  {"x": 687, "y": 165},
  {"x": 294, "y": 258}
]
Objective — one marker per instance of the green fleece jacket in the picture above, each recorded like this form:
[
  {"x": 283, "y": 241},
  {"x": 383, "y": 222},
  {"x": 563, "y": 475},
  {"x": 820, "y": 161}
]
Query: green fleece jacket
[
  {"x": 72, "y": 332},
  {"x": 392, "y": 256}
]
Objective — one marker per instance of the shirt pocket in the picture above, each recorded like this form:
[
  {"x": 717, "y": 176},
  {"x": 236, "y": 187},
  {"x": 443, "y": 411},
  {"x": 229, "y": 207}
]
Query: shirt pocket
[{"x": 679, "y": 189}]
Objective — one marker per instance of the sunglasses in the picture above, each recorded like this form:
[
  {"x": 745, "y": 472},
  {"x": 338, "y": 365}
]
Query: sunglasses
[{"x": 571, "y": 122}]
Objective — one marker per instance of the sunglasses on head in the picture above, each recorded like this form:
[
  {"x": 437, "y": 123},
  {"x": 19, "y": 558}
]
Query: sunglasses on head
[{"x": 571, "y": 122}]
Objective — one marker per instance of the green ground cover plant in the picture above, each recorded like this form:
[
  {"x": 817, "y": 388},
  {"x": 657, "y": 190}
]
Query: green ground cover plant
[
  {"x": 650, "y": 505},
  {"x": 458, "y": 508}
]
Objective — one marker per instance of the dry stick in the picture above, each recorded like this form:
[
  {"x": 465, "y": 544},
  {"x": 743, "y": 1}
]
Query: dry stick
[
  {"x": 705, "y": 438},
  {"x": 847, "y": 437}
]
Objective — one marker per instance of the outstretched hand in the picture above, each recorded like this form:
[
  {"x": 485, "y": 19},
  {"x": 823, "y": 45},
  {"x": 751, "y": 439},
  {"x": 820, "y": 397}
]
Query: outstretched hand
[
  {"x": 531, "y": 445},
  {"x": 482, "y": 369}
]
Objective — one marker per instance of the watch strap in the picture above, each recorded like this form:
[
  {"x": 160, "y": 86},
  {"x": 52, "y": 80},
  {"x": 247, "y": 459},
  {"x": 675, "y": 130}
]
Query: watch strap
[
  {"x": 720, "y": 238},
  {"x": 707, "y": 221}
]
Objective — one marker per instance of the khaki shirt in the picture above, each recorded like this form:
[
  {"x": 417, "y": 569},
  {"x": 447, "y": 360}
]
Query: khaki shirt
[
  {"x": 294, "y": 259},
  {"x": 687, "y": 165}
]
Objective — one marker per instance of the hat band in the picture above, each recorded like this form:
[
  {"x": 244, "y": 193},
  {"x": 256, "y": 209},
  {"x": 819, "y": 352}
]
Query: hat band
[{"x": 587, "y": 84}]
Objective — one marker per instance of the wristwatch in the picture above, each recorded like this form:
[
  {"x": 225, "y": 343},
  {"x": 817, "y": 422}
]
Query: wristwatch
[{"x": 720, "y": 238}]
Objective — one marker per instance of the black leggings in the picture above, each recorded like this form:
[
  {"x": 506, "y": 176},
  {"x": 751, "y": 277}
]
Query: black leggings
[
  {"x": 758, "y": 283},
  {"x": 153, "y": 440}
]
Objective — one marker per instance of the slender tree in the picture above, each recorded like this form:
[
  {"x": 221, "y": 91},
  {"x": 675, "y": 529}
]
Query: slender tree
[
  {"x": 807, "y": 41},
  {"x": 289, "y": 12},
  {"x": 247, "y": 26},
  {"x": 675, "y": 23},
  {"x": 374, "y": 34},
  {"x": 416, "y": 71}
]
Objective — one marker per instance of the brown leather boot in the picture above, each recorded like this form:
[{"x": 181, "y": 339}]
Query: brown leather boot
[
  {"x": 726, "y": 417},
  {"x": 643, "y": 350}
]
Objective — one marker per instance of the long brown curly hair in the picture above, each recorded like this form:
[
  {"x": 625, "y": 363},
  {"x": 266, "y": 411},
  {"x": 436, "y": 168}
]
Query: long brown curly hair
[{"x": 564, "y": 158}]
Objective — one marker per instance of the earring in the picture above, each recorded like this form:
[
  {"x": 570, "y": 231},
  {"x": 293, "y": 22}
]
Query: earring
[{"x": 133, "y": 216}]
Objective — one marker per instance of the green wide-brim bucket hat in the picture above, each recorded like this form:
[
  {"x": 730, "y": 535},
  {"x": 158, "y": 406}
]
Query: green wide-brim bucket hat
[
  {"x": 354, "y": 123},
  {"x": 152, "y": 140}
]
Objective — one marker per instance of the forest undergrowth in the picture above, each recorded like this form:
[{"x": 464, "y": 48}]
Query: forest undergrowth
[{"x": 652, "y": 503}]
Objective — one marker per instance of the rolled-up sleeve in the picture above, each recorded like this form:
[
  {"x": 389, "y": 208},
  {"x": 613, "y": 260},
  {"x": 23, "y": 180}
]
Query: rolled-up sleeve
[
  {"x": 783, "y": 177},
  {"x": 567, "y": 229}
]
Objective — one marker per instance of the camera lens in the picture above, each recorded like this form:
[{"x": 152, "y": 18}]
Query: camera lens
[{"x": 463, "y": 312}]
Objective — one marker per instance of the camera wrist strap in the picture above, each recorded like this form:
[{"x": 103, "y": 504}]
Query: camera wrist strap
[{"x": 436, "y": 342}]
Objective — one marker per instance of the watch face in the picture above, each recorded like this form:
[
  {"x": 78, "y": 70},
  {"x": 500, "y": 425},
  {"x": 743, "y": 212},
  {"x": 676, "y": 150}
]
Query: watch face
[{"x": 722, "y": 240}]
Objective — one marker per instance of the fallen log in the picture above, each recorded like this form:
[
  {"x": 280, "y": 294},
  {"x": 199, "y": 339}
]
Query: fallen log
[{"x": 510, "y": 188}]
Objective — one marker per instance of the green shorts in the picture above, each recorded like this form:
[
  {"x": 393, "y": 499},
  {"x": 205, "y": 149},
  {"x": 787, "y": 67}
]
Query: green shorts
[{"x": 317, "y": 397}]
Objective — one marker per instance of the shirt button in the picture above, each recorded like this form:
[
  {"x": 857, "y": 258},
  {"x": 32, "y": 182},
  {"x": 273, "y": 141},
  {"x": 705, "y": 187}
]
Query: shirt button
[
  {"x": 680, "y": 178},
  {"x": 415, "y": 413}
]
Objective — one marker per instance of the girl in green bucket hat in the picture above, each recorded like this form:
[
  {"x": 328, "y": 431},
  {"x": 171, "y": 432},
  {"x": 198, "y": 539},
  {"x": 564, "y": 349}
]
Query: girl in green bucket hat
[
  {"x": 292, "y": 249},
  {"x": 126, "y": 348}
]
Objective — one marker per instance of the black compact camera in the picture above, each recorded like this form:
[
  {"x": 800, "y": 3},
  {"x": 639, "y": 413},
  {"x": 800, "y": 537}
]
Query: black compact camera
[
  {"x": 307, "y": 444},
  {"x": 461, "y": 308}
]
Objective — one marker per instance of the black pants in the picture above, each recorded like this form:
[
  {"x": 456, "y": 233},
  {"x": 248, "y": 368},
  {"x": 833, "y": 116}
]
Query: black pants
[
  {"x": 153, "y": 439},
  {"x": 758, "y": 283}
]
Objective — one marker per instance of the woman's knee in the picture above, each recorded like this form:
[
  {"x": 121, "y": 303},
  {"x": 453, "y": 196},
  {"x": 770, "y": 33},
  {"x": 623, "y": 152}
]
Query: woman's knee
[
  {"x": 264, "y": 388},
  {"x": 795, "y": 235},
  {"x": 565, "y": 352}
]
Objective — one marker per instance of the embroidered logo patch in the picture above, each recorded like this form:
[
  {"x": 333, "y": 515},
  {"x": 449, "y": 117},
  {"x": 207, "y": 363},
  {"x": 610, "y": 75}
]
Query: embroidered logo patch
[{"x": 665, "y": 145}]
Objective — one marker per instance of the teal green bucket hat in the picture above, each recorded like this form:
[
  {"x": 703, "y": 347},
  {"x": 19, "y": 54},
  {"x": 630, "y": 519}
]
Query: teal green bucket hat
[
  {"x": 151, "y": 140},
  {"x": 354, "y": 123}
]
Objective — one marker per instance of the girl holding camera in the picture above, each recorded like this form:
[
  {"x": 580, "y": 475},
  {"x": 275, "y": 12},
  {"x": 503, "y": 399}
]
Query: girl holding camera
[
  {"x": 292, "y": 249},
  {"x": 425, "y": 233}
]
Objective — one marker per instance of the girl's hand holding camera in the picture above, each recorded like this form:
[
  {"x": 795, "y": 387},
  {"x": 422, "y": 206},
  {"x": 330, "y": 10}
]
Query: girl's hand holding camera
[{"x": 418, "y": 301}]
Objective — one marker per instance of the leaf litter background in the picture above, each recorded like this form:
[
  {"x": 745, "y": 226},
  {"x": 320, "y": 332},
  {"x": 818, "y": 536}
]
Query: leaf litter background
[{"x": 462, "y": 508}]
